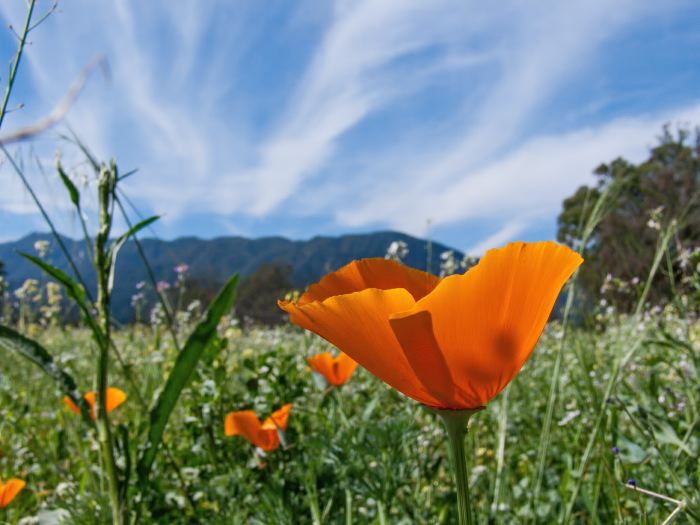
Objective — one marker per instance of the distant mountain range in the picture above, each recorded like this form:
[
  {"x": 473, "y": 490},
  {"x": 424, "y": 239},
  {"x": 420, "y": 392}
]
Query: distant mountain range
[{"x": 215, "y": 260}]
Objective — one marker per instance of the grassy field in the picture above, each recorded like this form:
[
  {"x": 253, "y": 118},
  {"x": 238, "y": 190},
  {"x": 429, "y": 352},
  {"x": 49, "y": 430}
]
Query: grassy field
[
  {"x": 602, "y": 425},
  {"x": 626, "y": 408}
]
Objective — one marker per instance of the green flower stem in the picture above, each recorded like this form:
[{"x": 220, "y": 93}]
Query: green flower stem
[
  {"x": 106, "y": 185},
  {"x": 456, "y": 425}
]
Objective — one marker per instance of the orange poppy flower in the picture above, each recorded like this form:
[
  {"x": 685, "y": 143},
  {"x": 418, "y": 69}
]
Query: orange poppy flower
[
  {"x": 9, "y": 490},
  {"x": 336, "y": 370},
  {"x": 451, "y": 343},
  {"x": 264, "y": 436},
  {"x": 115, "y": 397}
]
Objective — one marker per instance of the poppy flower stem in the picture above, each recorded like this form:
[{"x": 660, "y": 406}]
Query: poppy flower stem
[{"x": 455, "y": 422}]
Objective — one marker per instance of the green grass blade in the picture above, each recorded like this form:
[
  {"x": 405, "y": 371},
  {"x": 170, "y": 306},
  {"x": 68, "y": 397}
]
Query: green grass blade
[
  {"x": 72, "y": 190},
  {"x": 181, "y": 373},
  {"x": 121, "y": 240},
  {"x": 74, "y": 290},
  {"x": 29, "y": 349}
]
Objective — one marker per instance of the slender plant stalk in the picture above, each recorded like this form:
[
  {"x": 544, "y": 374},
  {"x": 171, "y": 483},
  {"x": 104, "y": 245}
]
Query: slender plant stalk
[
  {"x": 598, "y": 211},
  {"x": 455, "y": 422},
  {"x": 151, "y": 276},
  {"x": 105, "y": 191},
  {"x": 500, "y": 452},
  {"x": 17, "y": 59},
  {"x": 620, "y": 364},
  {"x": 28, "y": 27},
  {"x": 48, "y": 220},
  {"x": 348, "y": 507}
]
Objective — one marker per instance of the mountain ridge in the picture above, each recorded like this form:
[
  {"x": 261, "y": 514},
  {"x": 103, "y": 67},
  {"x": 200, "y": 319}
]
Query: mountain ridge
[{"x": 212, "y": 261}]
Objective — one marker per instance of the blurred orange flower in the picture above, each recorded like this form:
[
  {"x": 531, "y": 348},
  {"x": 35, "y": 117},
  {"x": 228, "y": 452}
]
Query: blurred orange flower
[
  {"x": 336, "y": 370},
  {"x": 449, "y": 343},
  {"x": 266, "y": 436},
  {"x": 9, "y": 490},
  {"x": 115, "y": 397}
]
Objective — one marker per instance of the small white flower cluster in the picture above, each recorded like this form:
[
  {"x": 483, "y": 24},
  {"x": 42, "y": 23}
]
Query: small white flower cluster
[
  {"x": 569, "y": 417},
  {"x": 655, "y": 216},
  {"x": 29, "y": 290},
  {"x": 157, "y": 315},
  {"x": 397, "y": 251},
  {"x": 449, "y": 264},
  {"x": 619, "y": 285},
  {"x": 137, "y": 299},
  {"x": 42, "y": 248}
]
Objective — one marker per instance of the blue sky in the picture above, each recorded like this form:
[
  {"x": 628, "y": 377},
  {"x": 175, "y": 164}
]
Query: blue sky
[{"x": 321, "y": 117}]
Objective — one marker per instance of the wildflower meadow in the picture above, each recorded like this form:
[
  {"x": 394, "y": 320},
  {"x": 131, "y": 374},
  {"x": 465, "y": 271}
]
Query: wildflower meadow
[{"x": 538, "y": 382}]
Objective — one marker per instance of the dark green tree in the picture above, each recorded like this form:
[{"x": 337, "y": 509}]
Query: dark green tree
[
  {"x": 644, "y": 199},
  {"x": 259, "y": 292}
]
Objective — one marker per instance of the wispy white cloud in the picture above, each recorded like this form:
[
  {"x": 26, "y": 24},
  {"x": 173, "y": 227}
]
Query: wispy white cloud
[
  {"x": 536, "y": 50},
  {"x": 526, "y": 185},
  {"x": 507, "y": 233},
  {"x": 349, "y": 77},
  {"x": 195, "y": 103}
]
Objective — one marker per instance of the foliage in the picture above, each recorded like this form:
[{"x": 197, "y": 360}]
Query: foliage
[
  {"x": 115, "y": 443},
  {"x": 661, "y": 192},
  {"x": 257, "y": 300},
  {"x": 364, "y": 441}
]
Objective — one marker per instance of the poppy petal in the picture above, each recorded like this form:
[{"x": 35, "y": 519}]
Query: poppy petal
[
  {"x": 383, "y": 274},
  {"x": 268, "y": 440},
  {"x": 72, "y": 406},
  {"x": 91, "y": 398},
  {"x": 278, "y": 418},
  {"x": 9, "y": 491},
  {"x": 243, "y": 423},
  {"x": 487, "y": 321},
  {"x": 115, "y": 397},
  {"x": 358, "y": 324},
  {"x": 415, "y": 334},
  {"x": 343, "y": 368},
  {"x": 323, "y": 364}
]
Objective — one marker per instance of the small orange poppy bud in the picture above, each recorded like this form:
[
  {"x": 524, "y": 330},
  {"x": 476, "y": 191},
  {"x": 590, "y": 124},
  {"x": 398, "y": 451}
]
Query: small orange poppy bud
[
  {"x": 336, "y": 370},
  {"x": 9, "y": 490},
  {"x": 115, "y": 397},
  {"x": 264, "y": 436}
]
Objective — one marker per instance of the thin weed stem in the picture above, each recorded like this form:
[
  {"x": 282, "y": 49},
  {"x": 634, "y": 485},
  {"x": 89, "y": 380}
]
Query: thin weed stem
[{"x": 18, "y": 57}]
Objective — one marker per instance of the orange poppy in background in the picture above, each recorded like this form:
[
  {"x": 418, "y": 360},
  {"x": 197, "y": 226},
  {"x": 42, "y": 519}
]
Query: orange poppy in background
[
  {"x": 451, "y": 343},
  {"x": 336, "y": 370},
  {"x": 115, "y": 397},
  {"x": 264, "y": 436},
  {"x": 9, "y": 490}
]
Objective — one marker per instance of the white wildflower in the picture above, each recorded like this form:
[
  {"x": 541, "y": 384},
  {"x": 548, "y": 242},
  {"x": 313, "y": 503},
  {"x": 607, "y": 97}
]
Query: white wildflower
[{"x": 568, "y": 417}]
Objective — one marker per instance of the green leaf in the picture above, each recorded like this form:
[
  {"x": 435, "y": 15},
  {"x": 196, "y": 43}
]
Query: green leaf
[
  {"x": 29, "y": 349},
  {"x": 119, "y": 242},
  {"x": 72, "y": 190},
  {"x": 181, "y": 373},
  {"x": 665, "y": 434},
  {"x": 74, "y": 290},
  {"x": 630, "y": 451}
]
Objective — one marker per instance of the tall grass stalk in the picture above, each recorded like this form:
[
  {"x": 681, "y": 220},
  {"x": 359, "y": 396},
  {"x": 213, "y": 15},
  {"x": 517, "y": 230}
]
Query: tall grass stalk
[
  {"x": 18, "y": 57},
  {"x": 596, "y": 215},
  {"x": 634, "y": 341},
  {"x": 105, "y": 188},
  {"x": 500, "y": 454}
]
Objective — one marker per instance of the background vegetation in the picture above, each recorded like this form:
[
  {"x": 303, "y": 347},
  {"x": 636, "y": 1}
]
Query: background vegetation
[{"x": 600, "y": 427}]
